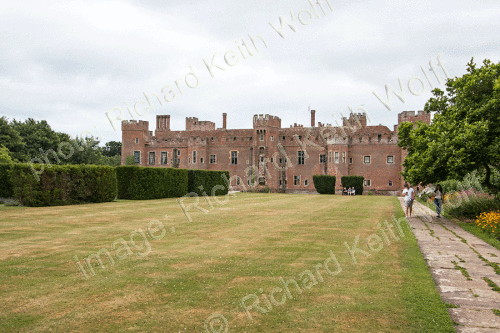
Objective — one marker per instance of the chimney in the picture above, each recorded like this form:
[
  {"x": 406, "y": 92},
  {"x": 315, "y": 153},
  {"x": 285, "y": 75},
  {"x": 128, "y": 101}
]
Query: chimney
[
  {"x": 168, "y": 122},
  {"x": 313, "y": 117},
  {"x": 224, "y": 120}
]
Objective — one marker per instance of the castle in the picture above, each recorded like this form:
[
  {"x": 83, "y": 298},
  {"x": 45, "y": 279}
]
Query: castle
[{"x": 283, "y": 159}]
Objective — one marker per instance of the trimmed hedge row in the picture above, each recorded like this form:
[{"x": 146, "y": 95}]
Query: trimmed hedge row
[
  {"x": 353, "y": 181},
  {"x": 63, "y": 185},
  {"x": 324, "y": 184},
  {"x": 212, "y": 182},
  {"x": 143, "y": 183},
  {"x": 6, "y": 190}
]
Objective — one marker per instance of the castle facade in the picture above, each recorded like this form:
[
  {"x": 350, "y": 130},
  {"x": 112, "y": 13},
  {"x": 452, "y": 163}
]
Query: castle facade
[{"x": 283, "y": 159}]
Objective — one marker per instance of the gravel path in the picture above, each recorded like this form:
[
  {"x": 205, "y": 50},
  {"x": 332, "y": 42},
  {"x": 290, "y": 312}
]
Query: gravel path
[{"x": 459, "y": 263}]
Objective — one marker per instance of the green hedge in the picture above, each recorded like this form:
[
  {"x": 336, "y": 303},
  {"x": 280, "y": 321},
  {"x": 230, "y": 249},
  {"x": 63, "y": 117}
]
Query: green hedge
[
  {"x": 324, "y": 184},
  {"x": 144, "y": 183},
  {"x": 353, "y": 181},
  {"x": 5, "y": 182},
  {"x": 38, "y": 185},
  {"x": 209, "y": 180}
]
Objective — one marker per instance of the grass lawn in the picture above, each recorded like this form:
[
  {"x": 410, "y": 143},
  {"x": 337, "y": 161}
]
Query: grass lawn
[{"x": 223, "y": 262}]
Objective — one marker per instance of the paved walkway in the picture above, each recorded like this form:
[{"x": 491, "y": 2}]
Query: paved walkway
[{"x": 453, "y": 254}]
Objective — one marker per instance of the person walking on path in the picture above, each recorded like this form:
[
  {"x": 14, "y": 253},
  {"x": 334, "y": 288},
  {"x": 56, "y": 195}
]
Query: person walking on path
[
  {"x": 438, "y": 200},
  {"x": 409, "y": 194}
]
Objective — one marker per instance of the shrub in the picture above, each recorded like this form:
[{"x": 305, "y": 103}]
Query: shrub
[
  {"x": 324, "y": 184},
  {"x": 470, "y": 204},
  {"x": 208, "y": 180},
  {"x": 144, "y": 183},
  {"x": 489, "y": 221},
  {"x": 353, "y": 181},
  {"x": 6, "y": 190},
  {"x": 63, "y": 185}
]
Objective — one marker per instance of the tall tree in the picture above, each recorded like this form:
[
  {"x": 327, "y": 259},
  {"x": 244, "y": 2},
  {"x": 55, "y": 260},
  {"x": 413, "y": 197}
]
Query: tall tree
[
  {"x": 465, "y": 133},
  {"x": 12, "y": 140},
  {"x": 112, "y": 148},
  {"x": 38, "y": 136}
]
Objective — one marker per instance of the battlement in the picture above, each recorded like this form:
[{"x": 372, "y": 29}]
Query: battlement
[
  {"x": 135, "y": 125},
  {"x": 355, "y": 120},
  {"x": 266, "y": 120},
  {"x": 193, "y": 124},
  {"x": 410, "y": 116}
]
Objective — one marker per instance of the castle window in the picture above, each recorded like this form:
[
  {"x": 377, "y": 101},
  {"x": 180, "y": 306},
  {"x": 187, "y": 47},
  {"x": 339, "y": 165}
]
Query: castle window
[
  {"x": 212, "y": 159},
  {"x": 178, "y": 161},
  {"x": 350, "y": 160},
  {"x": 306, "y": 182},
  {"x": 178, "y": 153},
  {"x": 189, "y": 160},
  {"x": 251, "y": 138},
  {"x": 379, "y": 137},
  {"x": 283, "y": 138},
  {"x": 271, "y": 160},
  {"x": 164, "y": 157},
  {"x": 262, "y": 158},
  {"x": 390, "y": 183},
  {"x": 336, "y": 157},
  {"x": 238, "y": 181},
  {"x": 137, "y": 157},
  {"x": 296, "y": 180},
  {"x": 201, "y": 160},
  {"x": 211, "y": 139},
  {"x": 329, "y": 157},
  {"x": 300, "y": 157},
  {"x": 366, "y": 159},
  {"x": 262, "y": 181},
  {"x": 272, "y": 138},
  {"x": 322, "y": 158},
  {"x": 367, "y": 182},
  {"x": 194, "y": 156},
  {"x": 152, "y": 158},
  {"x": 234, "y": 138},
  {"x": 136, "y": 140},
  {"x": 234, "y": 157},
  {"x": 390, "y": 159},
  {"x": 262, "y": 137},
  {"x": 343, "y": 157},
  {"x": 300, "y": 137}
]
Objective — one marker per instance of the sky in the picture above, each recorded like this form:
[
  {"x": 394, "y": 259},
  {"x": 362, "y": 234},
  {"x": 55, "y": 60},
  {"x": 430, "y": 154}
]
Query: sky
[{"x": 83, "y": 65}]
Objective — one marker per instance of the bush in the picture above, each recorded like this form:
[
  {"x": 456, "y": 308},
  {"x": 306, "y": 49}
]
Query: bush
[
  {"x": 324, "y": 184},
  {"x": 6, "y": 190},
  {"x": 63, "y": 185},
  {"x": 144, "y": 183},
  {"x": 208, "y": 180},
  {"x": 353, "y": 181},
  {"x": 470, "y": 204}
]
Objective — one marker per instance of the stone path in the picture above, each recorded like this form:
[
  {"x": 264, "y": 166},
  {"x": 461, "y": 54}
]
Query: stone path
[{"x": 453, "y": 254}]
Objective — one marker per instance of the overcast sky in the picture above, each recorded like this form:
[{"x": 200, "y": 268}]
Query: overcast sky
[{"x": 71, "y": 62}]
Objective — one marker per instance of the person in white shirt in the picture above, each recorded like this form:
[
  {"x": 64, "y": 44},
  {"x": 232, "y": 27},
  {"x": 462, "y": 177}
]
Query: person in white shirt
[{"x": 409, "y": 194}]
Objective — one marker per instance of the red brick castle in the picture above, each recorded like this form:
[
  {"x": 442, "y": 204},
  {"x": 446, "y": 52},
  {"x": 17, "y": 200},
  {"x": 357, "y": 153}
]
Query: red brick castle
[{"x": 283, "y": 159}]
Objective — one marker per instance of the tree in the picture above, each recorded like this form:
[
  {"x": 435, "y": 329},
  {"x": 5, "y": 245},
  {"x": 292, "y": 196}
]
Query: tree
[
  {"x": 464, "y": 135},
  {"x": 38, "y": 136},
  {"x": 4, "y": 155},
  {"x": 10, "y": 138},
  {"x": 130, "y": 160},
  {"x": 112, "y": 148}
]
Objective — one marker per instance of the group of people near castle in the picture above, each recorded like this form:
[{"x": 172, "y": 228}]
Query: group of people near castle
[
  {"x": 409, "y": 196},
  {"x": 349, "y": 191}
]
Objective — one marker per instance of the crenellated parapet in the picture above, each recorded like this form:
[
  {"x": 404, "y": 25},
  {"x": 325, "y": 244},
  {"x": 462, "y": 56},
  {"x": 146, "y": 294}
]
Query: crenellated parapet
[
  {"x": 135, "y": 125},
  {"x": 410, "y": 116},
  {"x": 266, "y": 120},
  {"x": 193, "y": 124}
]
